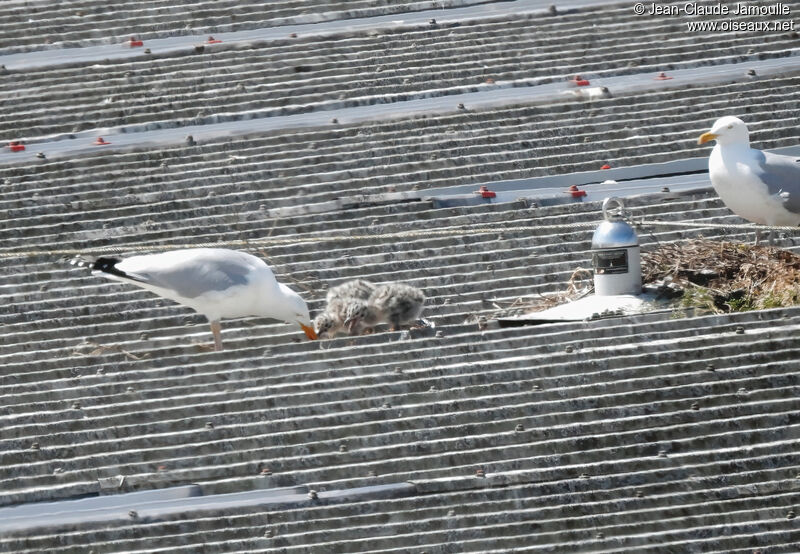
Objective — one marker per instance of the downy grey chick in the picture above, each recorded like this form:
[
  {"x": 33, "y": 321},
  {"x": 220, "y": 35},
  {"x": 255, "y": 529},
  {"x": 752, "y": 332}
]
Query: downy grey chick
[
  {"x": 397, "y": 303},
  {"x": 332, "y": 321}
]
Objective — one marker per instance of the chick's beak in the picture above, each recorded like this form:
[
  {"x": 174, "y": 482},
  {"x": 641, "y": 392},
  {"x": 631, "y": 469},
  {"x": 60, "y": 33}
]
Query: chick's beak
[
  {"x": 310, "y": 333},
  {"x": 706, "y": 137}
]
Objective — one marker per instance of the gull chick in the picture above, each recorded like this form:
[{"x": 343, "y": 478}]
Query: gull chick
[
  {"x": 397, "y": 303},
  {"x": 758, "y": 186},
  {"x": 339, "y": 299},
  {"x": 215, "y": 282}
]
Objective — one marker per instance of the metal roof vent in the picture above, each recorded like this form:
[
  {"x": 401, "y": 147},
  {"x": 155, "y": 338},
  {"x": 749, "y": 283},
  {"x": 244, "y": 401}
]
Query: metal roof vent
[
  {"x": 615, "y": 254},
  {"x": 617, "y": 266}
]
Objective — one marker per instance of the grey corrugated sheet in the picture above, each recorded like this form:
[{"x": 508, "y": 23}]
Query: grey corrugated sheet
[
  {"x": 654, "y": 433},
  {"x": 300, "y": 75}
]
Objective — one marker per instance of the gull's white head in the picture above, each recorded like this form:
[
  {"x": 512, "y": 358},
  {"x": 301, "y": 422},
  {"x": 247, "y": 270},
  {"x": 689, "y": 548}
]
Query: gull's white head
[
  {"x": 727, "y": 130},
  {"x": 291, "y": 308}
]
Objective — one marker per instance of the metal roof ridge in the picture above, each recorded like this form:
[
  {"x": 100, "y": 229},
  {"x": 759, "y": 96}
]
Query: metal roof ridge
[{"x": 159, "y": 503}]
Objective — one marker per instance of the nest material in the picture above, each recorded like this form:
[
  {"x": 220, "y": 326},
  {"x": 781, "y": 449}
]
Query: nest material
[{"x": 724, "y": 276}]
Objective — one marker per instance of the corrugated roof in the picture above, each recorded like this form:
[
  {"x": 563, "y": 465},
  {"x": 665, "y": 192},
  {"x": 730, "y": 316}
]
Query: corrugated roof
[{"x": 656, "y": 432}]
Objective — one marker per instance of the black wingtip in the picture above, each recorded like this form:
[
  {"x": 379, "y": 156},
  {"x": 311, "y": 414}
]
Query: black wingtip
[{"x": 103, "y": 263}]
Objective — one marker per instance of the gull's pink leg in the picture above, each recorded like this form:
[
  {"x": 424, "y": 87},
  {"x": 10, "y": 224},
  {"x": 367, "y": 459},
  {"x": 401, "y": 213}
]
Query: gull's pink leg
[{"x": 216, "y": 329}]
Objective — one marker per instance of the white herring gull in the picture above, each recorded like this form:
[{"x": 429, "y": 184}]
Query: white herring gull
[
  {"x": 215, "y": 282},
  {"x": 758, "y": 186}
]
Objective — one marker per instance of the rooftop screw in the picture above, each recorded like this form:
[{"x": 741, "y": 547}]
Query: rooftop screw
[
  {"x": 739, "y": 330},
  {"x": 312, "y": 494},
  {"x": 35, "y": 446},
  {"x": 266, "y": 471},
  {"x": 791, "y": 515},
  {"x": 480, "y": 472},
  {"x": 519, "y": 428},
  {"x": 209, "y": 425},
  {"x": 569, "y": 349},
  {"x": 342, "y": 448},
  {"x": 639, "y": 494},
  {"x": 695, "y": 406},
  {"x": 662, "y": 453},
  {"x": 133, "y": 514}
]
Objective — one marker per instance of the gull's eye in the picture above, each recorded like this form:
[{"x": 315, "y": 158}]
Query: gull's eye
[{"x": 730, "y": 126}]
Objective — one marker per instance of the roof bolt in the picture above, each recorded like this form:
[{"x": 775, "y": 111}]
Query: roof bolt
[
  {"x": 266, "y": 471},
  {"x": 58, "y": 470},
  {"x": 144, "y": 336},
  {"x": 433, "y": 388},
  {"x": 268, "y": 534},
  {"x": 312, "y": 494},
  {"x": 536, "y": 388},
  {"x": 41, "y": 155},
  {"x": 386, "y": 406},
  {"x": 791, "y": 515},
  {"x": 262, "y": 207},
  {"x": 147, "y": 51},
  {"x": 584, "y": 476},
  {"x": 292, "y": 35},
  {"x": 460, "y": 106},
  {"x": 342, "y": 448},
  {"x": 742, "y": 390},
  {"x": 334, "y": 120},
  {"x": 451, "y": 513},
  {"x": 662, "y": 453},
  {"x": 372, "y": 473},
  {"x": 695, "y": 405},
  {"x": 751, "y": 72},
  {"x": 710, "y": 367},
  {"x": 133, "y": 514},
  {"x": 209, "y": 425},
  {"x": 130, "y": 389},
  {"x": 432, "y": 21},
  {"x": 490, "y": 267},
  {"x": 190, "y": 141},
  {"x": 35, "y": 446},
  {"x": 639, "y": 494},
  {"x": 664, "y": 189},
  {"x": 519, "y": 428},
  {"x": 599, "y": 535},
  {"x": 552, "y": 9},
  {"x": 76, "y": 405},
  {"x": 480, "y": 472},
  {"x": 439, "y": 334},
  {"x": 739, "y": 330},
  {"x": 569, "y": 349},
  {"x": 398, "y": 370}
]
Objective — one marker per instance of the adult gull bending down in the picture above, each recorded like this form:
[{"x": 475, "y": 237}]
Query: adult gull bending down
[
  {"x": 215, "y": 282},
  {"x": 758, "y": 186}
]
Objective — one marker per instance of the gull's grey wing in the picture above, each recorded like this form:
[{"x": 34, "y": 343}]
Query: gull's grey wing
[
  {"x": 192, "y": 274},
  {"x": 782, "y": 176}
]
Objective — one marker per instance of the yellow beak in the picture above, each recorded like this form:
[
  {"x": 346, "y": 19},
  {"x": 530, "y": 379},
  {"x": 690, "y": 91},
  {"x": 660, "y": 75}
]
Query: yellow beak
[
  {"x": 310, "y": 333},
  {"x": 706, "y": 137}
]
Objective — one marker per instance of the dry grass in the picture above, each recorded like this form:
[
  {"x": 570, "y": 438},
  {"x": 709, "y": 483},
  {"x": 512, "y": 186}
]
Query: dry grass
[{"x": 724, "y": 276}]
